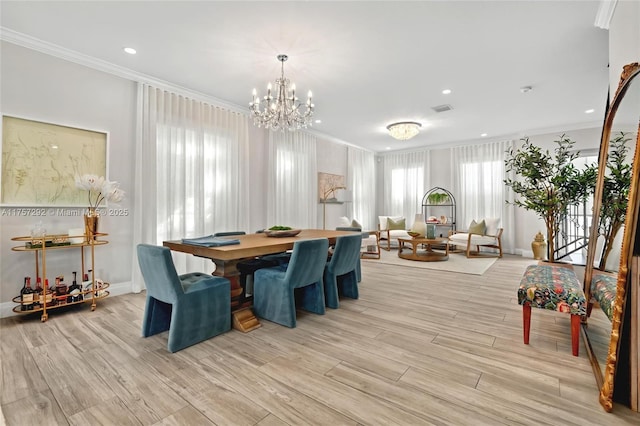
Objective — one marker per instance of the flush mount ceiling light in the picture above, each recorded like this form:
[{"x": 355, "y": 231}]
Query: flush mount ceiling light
[
  {"x": 283, "y": 112},
  {"x": 404, "y": 130},
  {"x": 130, "y": 50}
]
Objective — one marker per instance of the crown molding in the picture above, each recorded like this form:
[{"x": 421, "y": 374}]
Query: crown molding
[
  {"x": 54, "y": 50},
  {"x": 506, "y": 136},
  {"x": 329, "y": 138},
  {"x": 20, "y": 39},
  {"x": 605, "y": 13}
]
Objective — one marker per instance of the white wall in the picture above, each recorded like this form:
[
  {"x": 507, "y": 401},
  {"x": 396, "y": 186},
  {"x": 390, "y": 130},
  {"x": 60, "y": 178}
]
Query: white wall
[
  {"x": 624, "y": 39},
  {"x": 44, "y": 88},
  {"x": 332, "y": 158}
]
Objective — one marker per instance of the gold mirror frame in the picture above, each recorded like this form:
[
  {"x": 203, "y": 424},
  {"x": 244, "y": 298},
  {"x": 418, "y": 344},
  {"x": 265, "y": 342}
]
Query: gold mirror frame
[{"x": 606, "y": 382}]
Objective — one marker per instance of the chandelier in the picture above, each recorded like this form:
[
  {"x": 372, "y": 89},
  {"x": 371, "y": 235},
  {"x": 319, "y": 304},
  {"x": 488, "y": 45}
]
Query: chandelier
[
  {"x": 404, "y": 130},
  {"x": 282, "y": 112}
]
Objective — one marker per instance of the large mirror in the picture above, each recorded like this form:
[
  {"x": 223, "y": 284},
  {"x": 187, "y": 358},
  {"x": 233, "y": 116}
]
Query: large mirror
[{"x": 612, "y": 231}]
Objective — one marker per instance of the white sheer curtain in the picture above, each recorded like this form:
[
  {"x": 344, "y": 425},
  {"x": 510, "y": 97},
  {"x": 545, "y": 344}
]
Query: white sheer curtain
[
  {"x": 190, "y": 174},
  {"x": 405, "y": 180},
  {"x": 361, "y": 177},
  {"x": 292, "y": 198},
  {"x": 478, "y": 183}
]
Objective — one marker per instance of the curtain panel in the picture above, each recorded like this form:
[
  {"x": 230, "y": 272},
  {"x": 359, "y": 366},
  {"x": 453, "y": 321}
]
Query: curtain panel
[
  {"x": 361, "y": 180},
  {"x": 405, "y": 180},
  {"x": 191, "y": 178},
  {"x": 478, "y": 183},
  {"x": 292, "y": 195}
]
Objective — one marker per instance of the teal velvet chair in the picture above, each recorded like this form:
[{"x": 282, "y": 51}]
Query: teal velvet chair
[
  {"x": 193, "y": 307},
  {"x": 354, "y": 229},
  {"x": 276, "y": 290},
  {"x": 340, "y": 273}
]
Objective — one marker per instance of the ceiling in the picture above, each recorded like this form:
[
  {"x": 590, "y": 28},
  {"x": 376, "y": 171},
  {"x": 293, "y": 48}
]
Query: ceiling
[{"x": 368, "y": 63}]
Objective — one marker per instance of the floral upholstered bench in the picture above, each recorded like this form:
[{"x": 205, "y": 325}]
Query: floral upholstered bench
[
  {"x": 555, "y": 288},
  {"x": 603, "y": 291}
]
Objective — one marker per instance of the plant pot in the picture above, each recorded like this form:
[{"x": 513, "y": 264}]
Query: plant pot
[{"x": 91, "y": 223}]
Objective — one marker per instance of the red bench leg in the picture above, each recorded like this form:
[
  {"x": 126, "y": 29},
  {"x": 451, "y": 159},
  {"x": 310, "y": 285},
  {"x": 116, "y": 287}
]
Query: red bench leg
[
  {"x": 575, "y": 334},
  {"x": 526, "y": 321}
]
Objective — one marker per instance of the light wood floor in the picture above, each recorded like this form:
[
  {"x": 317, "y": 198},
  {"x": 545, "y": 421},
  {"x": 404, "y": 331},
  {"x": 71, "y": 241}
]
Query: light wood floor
[{"x": 418, "y": 347}]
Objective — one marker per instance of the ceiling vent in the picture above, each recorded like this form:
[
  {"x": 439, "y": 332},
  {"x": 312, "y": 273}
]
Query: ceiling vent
[{"x": 442, "y": 108}]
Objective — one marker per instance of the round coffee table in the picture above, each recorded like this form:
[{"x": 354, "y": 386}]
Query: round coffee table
[{"x": 409, "y": 248}]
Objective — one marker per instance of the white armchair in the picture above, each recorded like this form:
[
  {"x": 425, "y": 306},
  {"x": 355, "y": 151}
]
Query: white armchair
[
  {"x": 397, "y": 230},
  {"x": 490, "y": 236}
]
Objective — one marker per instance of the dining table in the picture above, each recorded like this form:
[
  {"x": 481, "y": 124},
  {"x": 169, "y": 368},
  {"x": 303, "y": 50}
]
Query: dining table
[{"x": 250, "y": 246}]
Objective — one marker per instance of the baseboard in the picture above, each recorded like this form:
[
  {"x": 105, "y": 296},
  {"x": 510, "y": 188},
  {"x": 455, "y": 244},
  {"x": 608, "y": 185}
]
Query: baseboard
[
  {"x": 6, "y": 308},
  {"x": 523, "y": 253}
]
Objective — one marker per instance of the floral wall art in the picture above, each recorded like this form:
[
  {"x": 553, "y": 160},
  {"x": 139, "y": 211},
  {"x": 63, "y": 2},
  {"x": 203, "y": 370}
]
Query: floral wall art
[
  {"x": 327, "y": 185},
  {"x": 40, "y": 161}
]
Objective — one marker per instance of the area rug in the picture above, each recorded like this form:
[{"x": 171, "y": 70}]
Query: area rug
[{"x": 457, "y": 262}]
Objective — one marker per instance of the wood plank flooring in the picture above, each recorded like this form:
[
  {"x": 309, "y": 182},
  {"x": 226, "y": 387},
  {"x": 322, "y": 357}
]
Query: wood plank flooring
[{"x": 419, "y": 347}]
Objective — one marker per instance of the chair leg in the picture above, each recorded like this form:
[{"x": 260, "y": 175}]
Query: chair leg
[
  {"x": 157, "y": 317},
  {"x": 526, "y": 321},
  {"x": 575, "y": 334}
]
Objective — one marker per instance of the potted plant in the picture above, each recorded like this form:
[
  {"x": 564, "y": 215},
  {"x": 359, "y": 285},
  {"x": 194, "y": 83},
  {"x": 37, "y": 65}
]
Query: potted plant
[
  {"x": 615, "y": 195},
  {"x": 438, "y": 198},
  {"x": 547, "y": 183}
]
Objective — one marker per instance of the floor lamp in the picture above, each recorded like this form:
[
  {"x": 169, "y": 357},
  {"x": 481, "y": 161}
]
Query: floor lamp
[{"x": 325, "y": 197}]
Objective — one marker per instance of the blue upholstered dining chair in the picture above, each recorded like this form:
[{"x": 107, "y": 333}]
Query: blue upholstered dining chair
[
  {"x": 353, "y": 229},
  {"x": 340, "y": 276},
  {"x": 276, "y": 290},
  {"x": 193, "y": 307}
]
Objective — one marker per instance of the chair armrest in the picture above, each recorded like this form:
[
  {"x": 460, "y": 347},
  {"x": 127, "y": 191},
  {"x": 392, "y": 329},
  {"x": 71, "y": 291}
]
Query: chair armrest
[
  {"x": 383, "y": 232},
  {"x": 498, "y": 235}
]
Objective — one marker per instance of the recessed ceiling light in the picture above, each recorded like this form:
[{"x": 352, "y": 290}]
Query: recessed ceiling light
[
  {"x": 318, "y": 121},
  {"x": 446, "y": 91},
  {"x": 525, "y": 89},
  {"x": 130, "y": 50},
  {"x": 589, "y": 111},
  {"x": 388, "y": 148},
  {"x": 483, "y": 135}
]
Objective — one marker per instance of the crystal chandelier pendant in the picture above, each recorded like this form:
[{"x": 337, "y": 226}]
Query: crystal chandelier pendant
[
  {"x": 282, "y": 109},
  {"x": 404, "y": 130}
]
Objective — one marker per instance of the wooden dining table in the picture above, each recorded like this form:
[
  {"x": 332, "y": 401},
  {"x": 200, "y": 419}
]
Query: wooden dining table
[{"x": 251, "y": 246}]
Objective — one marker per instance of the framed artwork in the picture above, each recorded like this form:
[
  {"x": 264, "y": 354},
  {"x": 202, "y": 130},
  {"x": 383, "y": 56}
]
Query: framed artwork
[
  {"x": 40, "y": 161},
  {"x": 327, "y": 186}
]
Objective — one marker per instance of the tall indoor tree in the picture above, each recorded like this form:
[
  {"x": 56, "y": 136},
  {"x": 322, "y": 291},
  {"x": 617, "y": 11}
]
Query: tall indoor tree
[
  {"x": 615, "y": 195},
  {"x": 548, "y": 183}
]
